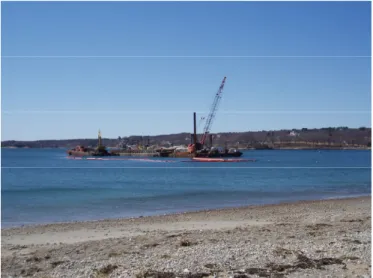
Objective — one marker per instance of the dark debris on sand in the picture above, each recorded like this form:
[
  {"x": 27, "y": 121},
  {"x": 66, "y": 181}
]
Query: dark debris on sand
[
  {"x": 271, "y": 270},
  {"x": 159, "y": 274}
]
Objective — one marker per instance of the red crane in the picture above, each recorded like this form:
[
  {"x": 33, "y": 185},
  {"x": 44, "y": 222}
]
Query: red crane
[{"x": 211, "y": 116}]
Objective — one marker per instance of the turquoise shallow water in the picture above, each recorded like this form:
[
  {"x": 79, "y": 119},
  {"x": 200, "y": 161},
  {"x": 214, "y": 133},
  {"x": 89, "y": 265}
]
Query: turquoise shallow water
[{"x": 43, "y": 186}]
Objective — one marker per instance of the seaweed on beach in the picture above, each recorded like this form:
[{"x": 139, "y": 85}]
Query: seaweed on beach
[
  {"x": 283, "y": 224},
  {"x": 186, "y": 242},
  {"x": 282, "y": 252},
  {"x": 194, "y": 275},
  {"x": 17, "y": 247},
  {"x": 240, "y": 275},
  {"x": 107, "y": 269},
  {"x": 318, "y": 226},
  {"x": 113, "y": 254},
  {"x": 159, "y": 274},
  {"x": 211, "y": 266},
  {"x": 315, "y": 234},
  {"x": 355, "y": 241},
  {"x": 352, "y": 220},
  {"x": 351, "y": 258},
  {"x": 155, "y": 274},
  {"x": 30, "y": 271},
  {"x": 33, "y": 259},
  {"x": 261, "y": 272},
  {"x": 56, "y": 263},
  {"x": 303, "y": 262},
  {"x": 154, "y": 244}
]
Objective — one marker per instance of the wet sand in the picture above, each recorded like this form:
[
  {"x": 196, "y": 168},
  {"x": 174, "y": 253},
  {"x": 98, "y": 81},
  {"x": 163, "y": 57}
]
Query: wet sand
[{"x": 303, "y": 239}]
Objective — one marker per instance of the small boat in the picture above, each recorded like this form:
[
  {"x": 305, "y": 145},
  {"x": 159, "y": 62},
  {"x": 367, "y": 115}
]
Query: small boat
[{"x": 80, "y": 151}]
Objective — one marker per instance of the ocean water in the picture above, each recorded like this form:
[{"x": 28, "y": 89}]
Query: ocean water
[{"x": 43, "y": 186}]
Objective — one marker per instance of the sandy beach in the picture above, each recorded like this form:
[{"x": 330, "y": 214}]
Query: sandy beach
[{"x": 329, "y": 238}]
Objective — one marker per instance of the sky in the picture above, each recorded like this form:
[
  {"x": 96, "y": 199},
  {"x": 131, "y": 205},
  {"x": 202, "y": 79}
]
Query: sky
[{"x": 143, "y": 68}]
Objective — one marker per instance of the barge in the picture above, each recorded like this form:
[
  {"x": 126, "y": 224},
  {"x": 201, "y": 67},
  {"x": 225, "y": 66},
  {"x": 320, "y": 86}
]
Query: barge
[
  {"x": 145, "y": 153},
  {"x": 206, "y": 159}
]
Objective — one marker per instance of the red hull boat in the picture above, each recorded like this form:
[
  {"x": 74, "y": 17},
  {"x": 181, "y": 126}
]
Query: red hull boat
[{"x": 206, "y": 159}]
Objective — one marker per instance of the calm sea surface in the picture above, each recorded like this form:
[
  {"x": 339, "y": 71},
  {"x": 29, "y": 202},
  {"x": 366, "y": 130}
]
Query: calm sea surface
[{"x": 42, "y": 186}]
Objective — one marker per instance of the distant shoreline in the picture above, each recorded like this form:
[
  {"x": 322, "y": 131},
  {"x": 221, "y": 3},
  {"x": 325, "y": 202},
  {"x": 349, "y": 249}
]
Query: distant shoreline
[
  {"x": 304, "y": 138},
  {"x": 244, "y": 149}
]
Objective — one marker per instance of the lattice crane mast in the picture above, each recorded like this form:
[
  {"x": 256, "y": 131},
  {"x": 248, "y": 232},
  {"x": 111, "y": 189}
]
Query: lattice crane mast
[{"x": 213, "y": 110}]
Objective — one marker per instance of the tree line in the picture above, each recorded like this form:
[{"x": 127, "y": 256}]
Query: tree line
[{"x": 329, "y": 136}]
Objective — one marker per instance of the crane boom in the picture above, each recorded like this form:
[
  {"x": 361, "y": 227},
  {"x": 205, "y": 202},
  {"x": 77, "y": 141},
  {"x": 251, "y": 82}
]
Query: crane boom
[{"x": 211, "y": 116}]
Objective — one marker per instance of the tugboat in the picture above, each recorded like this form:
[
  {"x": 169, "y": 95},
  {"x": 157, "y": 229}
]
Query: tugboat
[{"x": 81, "y": 151}]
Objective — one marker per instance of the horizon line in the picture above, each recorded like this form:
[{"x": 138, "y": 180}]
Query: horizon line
[
  {"x": 186, "y": 111},
  {"x": 180, "y": 56}
]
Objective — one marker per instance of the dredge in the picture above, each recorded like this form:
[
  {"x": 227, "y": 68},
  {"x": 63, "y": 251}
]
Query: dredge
[{"x": 197, "y": 149}]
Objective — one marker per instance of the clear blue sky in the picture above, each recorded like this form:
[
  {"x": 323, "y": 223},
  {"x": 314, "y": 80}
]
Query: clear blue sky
[{"x": 157, "y": 95}]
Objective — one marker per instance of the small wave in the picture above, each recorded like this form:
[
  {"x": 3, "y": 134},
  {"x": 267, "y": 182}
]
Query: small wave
[
  {"x": 217, "y": 195},
  {"x": 347, "y": 196},
  {"x": 208, "y": 194}
]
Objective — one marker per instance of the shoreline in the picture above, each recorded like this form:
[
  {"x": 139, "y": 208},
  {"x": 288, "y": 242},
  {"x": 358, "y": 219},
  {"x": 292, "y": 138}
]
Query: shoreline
[
  {"x": 184, "y": 213},
  {"x": 249, "y": 149},
  {"x": 297, "y": 239}
]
